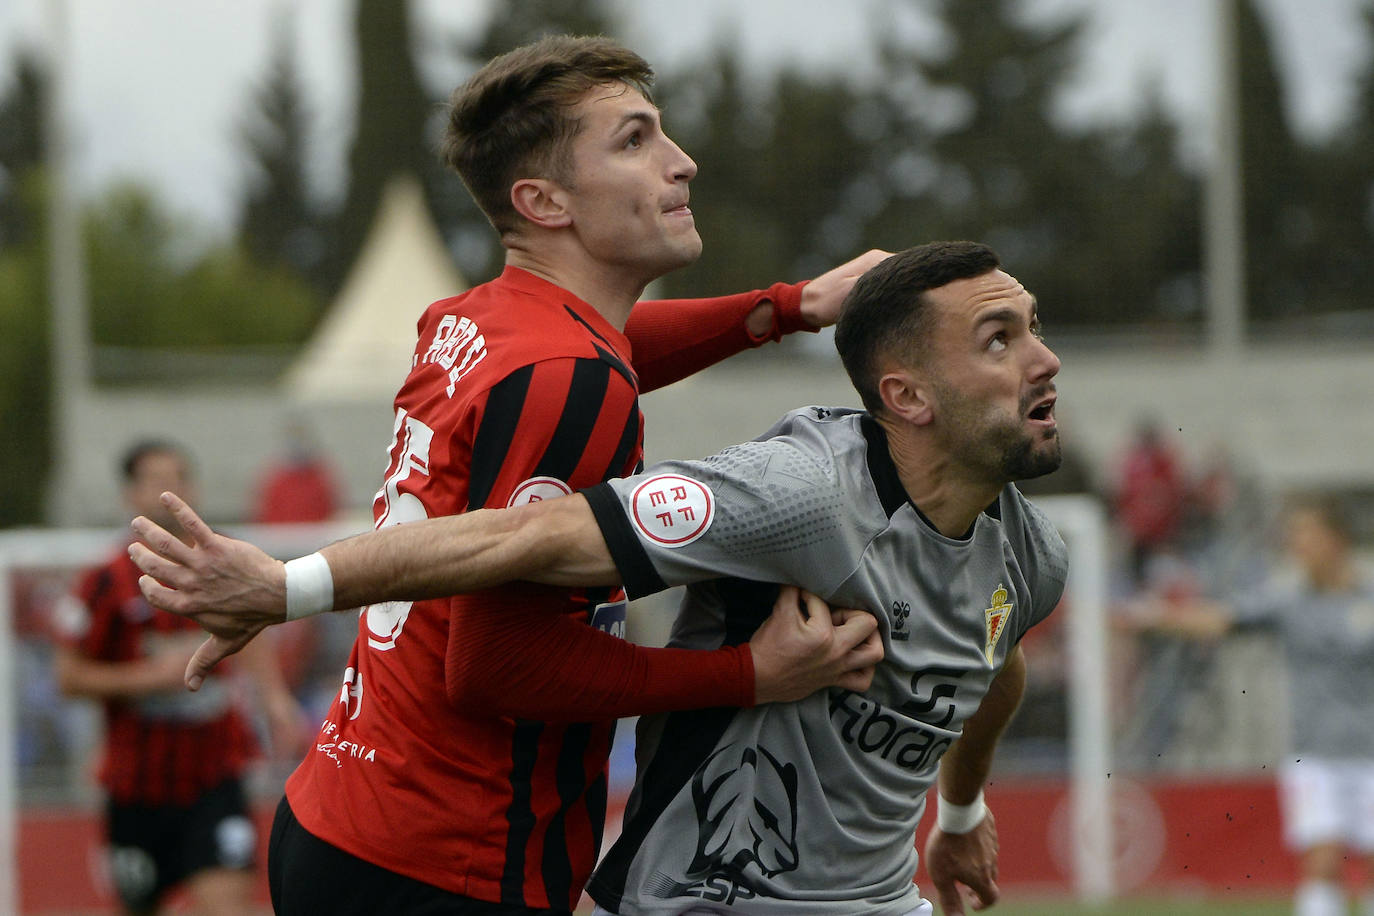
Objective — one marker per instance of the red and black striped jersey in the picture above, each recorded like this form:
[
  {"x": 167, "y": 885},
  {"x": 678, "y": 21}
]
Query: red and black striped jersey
[
  {"x": 163, "y": 749},
  {"x": 518, "y": 391}
]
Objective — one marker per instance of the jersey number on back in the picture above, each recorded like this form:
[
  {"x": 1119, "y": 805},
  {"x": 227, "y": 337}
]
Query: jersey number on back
[{"x": 410, "y": 455}]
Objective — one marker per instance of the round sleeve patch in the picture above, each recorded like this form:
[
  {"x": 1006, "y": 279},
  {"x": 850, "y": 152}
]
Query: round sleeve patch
[
  {"x": 536, "y": 489},
  {"x": 672, "y": 510}
]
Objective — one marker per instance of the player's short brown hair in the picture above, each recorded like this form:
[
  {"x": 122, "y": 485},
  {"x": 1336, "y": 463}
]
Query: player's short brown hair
[
  {"x": 885, "y": 313},
  {"x": 513, "y": 119}
]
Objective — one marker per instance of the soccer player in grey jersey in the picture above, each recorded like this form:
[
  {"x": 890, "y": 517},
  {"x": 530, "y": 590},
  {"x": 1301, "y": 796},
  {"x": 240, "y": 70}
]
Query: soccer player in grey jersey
[
  {"x": 904, "y": 509},
  {"x": 810, "y": 807},
  {"x": 1321, "y": 609}
]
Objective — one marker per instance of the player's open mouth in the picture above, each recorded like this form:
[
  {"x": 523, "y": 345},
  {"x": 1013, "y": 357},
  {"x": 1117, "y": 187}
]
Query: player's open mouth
[{"x": 1043, "y": 412}]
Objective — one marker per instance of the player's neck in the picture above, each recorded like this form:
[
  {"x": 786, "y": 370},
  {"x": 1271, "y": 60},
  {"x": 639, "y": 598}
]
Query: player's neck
[
  {"x": 937, "y": 484},
  {"x": 607, "y": 289}
]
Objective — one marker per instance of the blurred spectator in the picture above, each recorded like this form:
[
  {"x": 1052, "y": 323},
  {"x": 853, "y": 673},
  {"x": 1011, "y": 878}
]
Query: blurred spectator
[
  {"x": 173, "y": 760},
  {"x": 300, "y": 486},
  {"x": 1323, "y": 614},
  {"x": 1151, "y": 493}
]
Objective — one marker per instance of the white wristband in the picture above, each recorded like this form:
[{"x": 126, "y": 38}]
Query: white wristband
[
  {"x": 952, "y": 818},
  {"x": 309, "y": 587}
]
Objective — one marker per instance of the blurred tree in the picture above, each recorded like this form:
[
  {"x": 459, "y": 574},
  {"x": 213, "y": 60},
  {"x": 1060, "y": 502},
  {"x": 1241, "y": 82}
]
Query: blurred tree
[
  {"x": 396, "y": 128},
  {"x": 24, "y": 357},
  {"x": 975, "y": 150},
  {"x": 150, "y": 288},
  {"x": 1146, "y": 256},
  {"x": 1339, "y": 185},
  {"x": 21, "y": 144},
  {"x": 280, "y": 222},
  {"x": 1278, "y": 222},
  {"x": 778, "y": 165}
]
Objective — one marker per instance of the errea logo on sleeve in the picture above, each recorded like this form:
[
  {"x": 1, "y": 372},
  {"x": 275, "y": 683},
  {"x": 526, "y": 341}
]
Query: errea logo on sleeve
[
  {"x": 458, "y": 346},
  {"x": 672, "y": 510}
]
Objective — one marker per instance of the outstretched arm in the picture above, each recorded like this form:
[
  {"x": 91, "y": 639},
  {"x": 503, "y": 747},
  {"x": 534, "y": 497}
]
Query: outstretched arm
[
  {"x": 673, "y": 338},
  {"x": 234, "y": 590},
  {"x": 966, "y": 854},
  {"x": 223, "y": 582}
]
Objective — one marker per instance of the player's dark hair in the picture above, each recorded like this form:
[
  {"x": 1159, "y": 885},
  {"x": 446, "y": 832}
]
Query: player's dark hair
[
  {"x": 513, "y": 118},
  {"x": 885, "y": 314},
  {"x": 134, "y": 455}
]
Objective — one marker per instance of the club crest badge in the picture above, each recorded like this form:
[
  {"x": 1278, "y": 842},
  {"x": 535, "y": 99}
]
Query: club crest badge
[{"x": 996, "y": 616}]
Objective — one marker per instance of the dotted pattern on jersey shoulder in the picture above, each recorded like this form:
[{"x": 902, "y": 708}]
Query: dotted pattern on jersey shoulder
[{"x": 799, "y": 481}]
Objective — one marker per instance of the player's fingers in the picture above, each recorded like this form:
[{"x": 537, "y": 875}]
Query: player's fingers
[
  {"x": 857, "y": 679},
  {"x": 986, "y": 893},
  {"x": 163, "y": 570},
  {"x": 816, "y": 611},
  {"x": 160, "y": 596},
  {"x": 863, "y": 262},
  {"x": 199, "y": 532},
  {"x": 211, "y": 652},
  {"x": 788, "y": 605},
  {"x": 857, "y": 627},
  {"x": 867, "y": 653},
  {"x": 951, "y": 901},
  {"x": 160, "y": 541}
]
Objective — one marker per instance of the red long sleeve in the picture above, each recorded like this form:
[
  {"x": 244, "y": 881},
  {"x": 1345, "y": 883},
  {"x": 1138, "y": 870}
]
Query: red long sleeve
[
  {"x": 509, "y": 660},
  {"x": 673, "y": 338}
]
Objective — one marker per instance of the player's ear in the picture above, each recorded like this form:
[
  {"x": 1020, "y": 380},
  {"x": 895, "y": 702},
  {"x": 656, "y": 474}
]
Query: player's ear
[
  {"x": 542, "y": 202},
  {"x": 906, "y": 395}
]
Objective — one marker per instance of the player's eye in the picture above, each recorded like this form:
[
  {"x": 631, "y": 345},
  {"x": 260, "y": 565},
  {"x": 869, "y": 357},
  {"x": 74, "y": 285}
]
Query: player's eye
[
  {"x": 998, "y": 342},
  {"x": 634, "y": 141}
]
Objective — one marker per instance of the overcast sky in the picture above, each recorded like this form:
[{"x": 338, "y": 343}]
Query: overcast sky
[{"x": 157, "y": 87}]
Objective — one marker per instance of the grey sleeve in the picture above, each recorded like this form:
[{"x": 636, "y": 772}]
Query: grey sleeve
[
  {"x": 771, "y": 511},
  {"x": 1047, "y": 560}
]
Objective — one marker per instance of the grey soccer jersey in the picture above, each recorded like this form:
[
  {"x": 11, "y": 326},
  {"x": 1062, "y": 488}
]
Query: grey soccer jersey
[
  {"x": 810, "y": 807},
  {"x": 1328, "y": 649}
]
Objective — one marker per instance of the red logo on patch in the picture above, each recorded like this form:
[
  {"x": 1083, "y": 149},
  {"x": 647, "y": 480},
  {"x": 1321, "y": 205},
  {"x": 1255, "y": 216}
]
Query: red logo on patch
[
  {"x": 536, "y": 489},
  {"x": 672, "y": 510}
]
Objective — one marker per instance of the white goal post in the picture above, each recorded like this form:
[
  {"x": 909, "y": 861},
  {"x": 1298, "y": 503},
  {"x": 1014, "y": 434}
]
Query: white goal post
[{"x": 1083, "y": 523}]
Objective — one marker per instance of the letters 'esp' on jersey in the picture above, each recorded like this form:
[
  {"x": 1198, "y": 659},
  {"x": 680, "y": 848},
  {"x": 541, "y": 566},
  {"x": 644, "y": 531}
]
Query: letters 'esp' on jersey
[
  {"x": 810, "y": 807},
  {"x": 517, "y": 392}
]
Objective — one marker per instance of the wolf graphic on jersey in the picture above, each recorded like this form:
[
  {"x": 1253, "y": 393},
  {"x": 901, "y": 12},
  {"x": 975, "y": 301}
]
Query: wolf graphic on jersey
[{"x": 746, "y": 805}]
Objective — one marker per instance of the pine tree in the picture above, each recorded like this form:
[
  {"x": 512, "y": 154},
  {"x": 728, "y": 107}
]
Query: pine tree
[
  {"x": 279, "y": 225},
  {"x": 21, "y": 145},
  {"x": 395, "y": 129}
]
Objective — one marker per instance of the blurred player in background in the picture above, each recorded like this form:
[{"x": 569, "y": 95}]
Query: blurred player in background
[
  {"x": 1322, "y": 610},
  {"x": 445, "y": 777},
  {"x": 173, "y": 761},
  {"x": 906, "y": 509}
]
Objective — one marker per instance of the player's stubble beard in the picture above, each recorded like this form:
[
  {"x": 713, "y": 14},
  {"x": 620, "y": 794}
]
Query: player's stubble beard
[{"x": 998, "y": 445}]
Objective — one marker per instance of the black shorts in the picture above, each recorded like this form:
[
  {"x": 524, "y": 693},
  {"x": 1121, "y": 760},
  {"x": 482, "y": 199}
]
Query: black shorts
[
  {"x": 308, "y": 876},
  {"x": 153, "y": 848}
]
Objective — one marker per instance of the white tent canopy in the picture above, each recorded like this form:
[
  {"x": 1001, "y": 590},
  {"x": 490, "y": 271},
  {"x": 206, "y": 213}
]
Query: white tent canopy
[{"x": 362, "y": 349}]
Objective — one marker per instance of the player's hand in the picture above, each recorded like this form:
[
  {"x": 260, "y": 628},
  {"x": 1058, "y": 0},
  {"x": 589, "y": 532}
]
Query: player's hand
[
  {"x": 802, "y": 647},
  {"x": 963, "y": 867},
  {"x": 822, "y": 298},
  {"x": 287, "y": 724},
  {"x": 165, "y": 667},
  {"x": 231, "y": 588}
]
